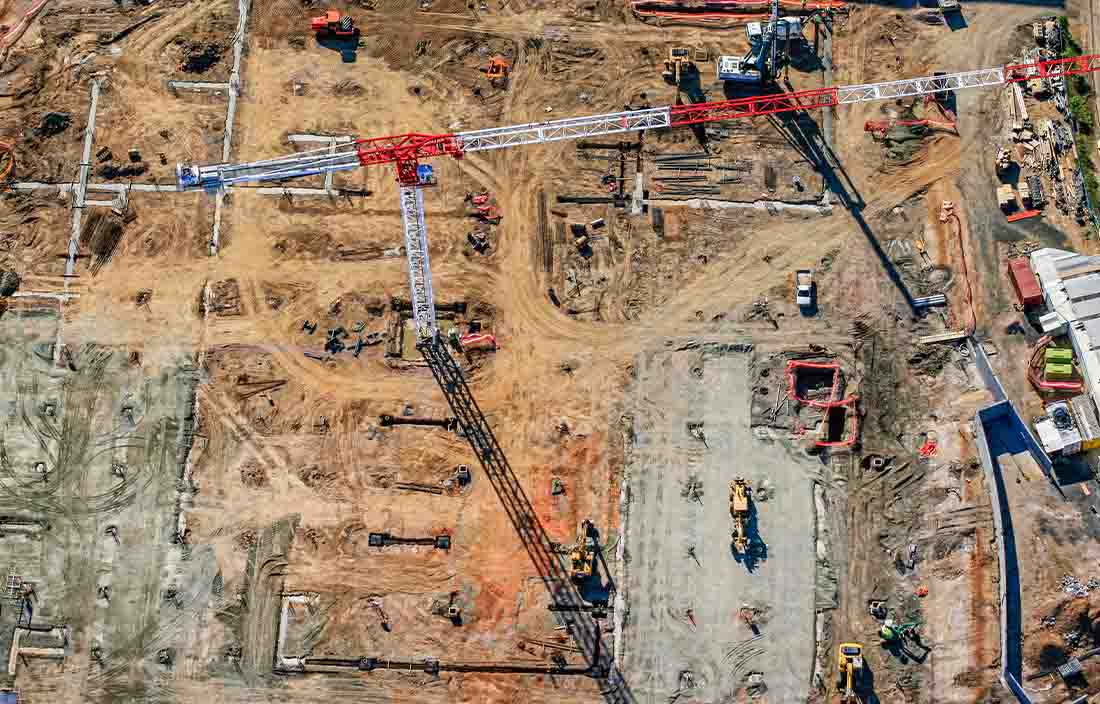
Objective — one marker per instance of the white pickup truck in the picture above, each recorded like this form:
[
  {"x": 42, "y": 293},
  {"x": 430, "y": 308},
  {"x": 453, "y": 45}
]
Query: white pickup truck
[{"x": 804, "y": 289}]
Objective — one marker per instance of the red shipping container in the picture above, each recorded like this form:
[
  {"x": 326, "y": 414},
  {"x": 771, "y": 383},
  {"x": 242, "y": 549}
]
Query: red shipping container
[{"x": 1024, "y": 281}]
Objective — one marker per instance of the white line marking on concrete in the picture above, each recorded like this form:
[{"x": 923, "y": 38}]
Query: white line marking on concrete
[{"x": 82, "y": 183}]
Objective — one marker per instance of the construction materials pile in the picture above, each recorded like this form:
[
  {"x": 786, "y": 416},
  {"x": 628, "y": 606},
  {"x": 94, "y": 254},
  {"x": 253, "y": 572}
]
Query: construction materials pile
[
  {"x": 101, "y": 232},
  {"x": 903, "y": 140},
  {"x": 1040, "y": 145},
  {"x": 225, "y": 298},
  {"x": 9, "y": 282}
]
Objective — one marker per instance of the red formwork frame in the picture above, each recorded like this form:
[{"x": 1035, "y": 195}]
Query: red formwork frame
[{"x": 848, "y": 403}]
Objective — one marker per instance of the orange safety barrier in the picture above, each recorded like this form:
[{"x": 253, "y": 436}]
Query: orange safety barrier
[
  {"x": 1024, "y": 215},
  {"x": 879, "y": 128},
  {"x": 848, "y": 403},
  {"x": 478, "y": 341}
]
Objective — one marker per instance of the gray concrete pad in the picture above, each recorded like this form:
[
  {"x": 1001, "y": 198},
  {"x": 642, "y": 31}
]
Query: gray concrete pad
[{"x": 663, "y": 581}]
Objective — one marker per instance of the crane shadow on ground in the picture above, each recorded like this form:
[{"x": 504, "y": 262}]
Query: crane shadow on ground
[
  {"x": 803, "y": 133},
  {"x": 584, "y": 629}
]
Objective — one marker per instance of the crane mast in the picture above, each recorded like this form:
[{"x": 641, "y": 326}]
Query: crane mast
[{"x": 416, "y": 253}]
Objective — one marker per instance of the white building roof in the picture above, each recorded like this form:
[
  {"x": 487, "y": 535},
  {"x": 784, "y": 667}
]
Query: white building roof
[
  {"x": 1071, "y": 288},
  {"x": 1083, "y": 287}
]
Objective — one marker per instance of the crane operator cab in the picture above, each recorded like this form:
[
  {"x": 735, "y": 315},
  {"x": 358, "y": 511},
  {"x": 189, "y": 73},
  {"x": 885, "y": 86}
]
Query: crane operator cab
[{"x": 189, "y": 176}]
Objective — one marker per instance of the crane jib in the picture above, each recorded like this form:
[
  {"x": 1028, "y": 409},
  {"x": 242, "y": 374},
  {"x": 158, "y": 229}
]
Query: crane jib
[{"x": 407, "y": 149}]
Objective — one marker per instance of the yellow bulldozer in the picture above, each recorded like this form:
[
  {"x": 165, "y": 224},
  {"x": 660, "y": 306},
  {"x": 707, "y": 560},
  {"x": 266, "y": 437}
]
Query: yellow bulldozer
[
  {"x": 583, "y": 557},
  {"x": 739, "y": 510},
  {"x": 849, "y": 665}
]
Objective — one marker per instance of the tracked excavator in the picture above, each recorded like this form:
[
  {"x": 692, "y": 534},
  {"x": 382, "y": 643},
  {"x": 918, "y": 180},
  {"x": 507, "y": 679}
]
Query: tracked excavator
[
  {"x": 849, "y": 664},
  {"x": 739, "y": 509},
  {"x": 583, "y": 557},
  {"x": 334, "y": 24}
]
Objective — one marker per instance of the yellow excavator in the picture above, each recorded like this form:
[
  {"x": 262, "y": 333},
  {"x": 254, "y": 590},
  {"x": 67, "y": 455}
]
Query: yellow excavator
[
  {"x": 849, "y": 664},
  {"x": 739, "y": 509},
  {"x": 584, "y": 555}
]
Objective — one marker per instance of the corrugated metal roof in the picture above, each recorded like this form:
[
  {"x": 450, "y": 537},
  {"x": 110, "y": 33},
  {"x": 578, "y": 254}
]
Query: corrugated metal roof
[
  {"x": 1065, "y": 263},
  {"x": 1083, "y": 287},
  {"x": 1092, "y": 329},
  {"x": 1052, "y": 266},
  {"x": 1086, "y": 310}
]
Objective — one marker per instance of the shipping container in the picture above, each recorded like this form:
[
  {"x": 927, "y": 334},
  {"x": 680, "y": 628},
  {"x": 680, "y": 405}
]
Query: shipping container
[
  {"x": 1024, "y": 281},
  {"x": 1058, "y": 372},
  {"x": 1058, "y": 355}
]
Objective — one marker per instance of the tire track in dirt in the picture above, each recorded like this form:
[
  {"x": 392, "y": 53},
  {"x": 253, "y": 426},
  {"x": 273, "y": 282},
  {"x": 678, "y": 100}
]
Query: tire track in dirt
[{"x": 149, "y": 41}]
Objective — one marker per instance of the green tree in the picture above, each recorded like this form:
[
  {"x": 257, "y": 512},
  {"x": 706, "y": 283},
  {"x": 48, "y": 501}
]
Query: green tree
[
  {"x": 1070, "y": 46},
  {"x": 1079, "y": 109}
]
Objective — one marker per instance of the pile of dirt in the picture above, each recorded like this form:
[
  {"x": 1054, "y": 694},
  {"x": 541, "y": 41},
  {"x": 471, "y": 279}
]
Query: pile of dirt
[
  {"x": 53, "y": 123},
  {"x": 199, "y": 57},
  {"x": 277, "y": 295},
  {"x": 1070, "y": 626},
  {"x": 347, "y": 89},
  {"x": 1045, "y": 651},
  {"x": 225, "y": 298},
  {"x": 903, "y": 142},
  {"x": 110, "y": 171},
  {"x": 100, "y": 234},
  {"x": 245, "y": 540},
  {"x": 316, "y": 478},
  {"x": 9, "y": 282},
  {"x": 253, "y": 475},
  {"x": 929, "y": 360}
]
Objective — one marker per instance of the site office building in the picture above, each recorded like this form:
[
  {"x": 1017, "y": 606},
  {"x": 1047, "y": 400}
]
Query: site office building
[{"x": 1070, "y": 284}]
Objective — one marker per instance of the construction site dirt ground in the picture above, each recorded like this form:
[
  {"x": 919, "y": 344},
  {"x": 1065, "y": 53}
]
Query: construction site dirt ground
[{"x": 253, "y": 470}]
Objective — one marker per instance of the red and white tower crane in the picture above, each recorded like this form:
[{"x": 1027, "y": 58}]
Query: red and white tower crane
[{"x": 407, "y": 151}]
